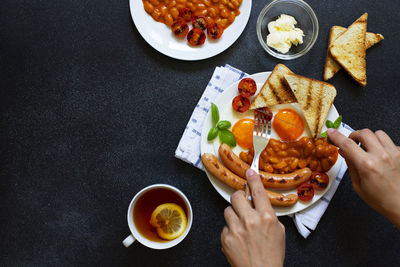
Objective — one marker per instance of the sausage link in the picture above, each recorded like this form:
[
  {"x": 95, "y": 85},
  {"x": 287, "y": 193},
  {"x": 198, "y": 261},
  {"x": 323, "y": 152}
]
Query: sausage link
[
  {"x": 219, "y": 171},
  {"x": 269, "y": 180}
]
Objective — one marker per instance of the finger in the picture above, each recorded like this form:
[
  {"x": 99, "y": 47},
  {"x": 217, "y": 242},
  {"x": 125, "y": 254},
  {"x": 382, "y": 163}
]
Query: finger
[
  {"x": 258, "y": 193},
  {"x": 348, "y": 148},
  {"x": 386, "y": 141},
  {"x": 225, "y": 231},
  {"x": 224, "y": 234},
  {"x": 230, "y": 217},
  {"x": 247, "y": 194},
  {"x": 240, "y": 204},
  {"x": 368, "y": 140}
]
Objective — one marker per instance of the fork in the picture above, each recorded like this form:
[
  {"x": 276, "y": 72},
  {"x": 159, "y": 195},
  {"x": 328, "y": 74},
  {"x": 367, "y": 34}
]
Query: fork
[{"x": 261, "y": 137}]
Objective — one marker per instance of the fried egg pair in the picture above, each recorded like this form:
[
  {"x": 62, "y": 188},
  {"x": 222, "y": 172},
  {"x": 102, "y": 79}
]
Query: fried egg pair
[{"x": 288, "y": 123}]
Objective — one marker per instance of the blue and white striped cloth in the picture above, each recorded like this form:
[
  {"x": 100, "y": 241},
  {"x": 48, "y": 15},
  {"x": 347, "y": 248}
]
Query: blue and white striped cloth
[{"x": 188, "y": 149}]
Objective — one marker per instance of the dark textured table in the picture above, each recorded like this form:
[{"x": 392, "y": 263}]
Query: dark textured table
[{"x": 90, "y": 114}]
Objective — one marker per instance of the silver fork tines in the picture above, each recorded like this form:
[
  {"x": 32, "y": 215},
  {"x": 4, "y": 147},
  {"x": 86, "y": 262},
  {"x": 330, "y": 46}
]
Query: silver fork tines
[{"x": 261, "y": 136}]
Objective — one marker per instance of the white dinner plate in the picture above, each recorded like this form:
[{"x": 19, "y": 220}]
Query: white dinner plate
[
  {"x": 224, "y": 103},
  {"x": 160, "y": 37}
]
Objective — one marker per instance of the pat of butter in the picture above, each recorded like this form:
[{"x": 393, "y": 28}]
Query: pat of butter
[{"x": 282, "y": 33}]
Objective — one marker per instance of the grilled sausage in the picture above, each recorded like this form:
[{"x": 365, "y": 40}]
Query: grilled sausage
[
  {"x": 218, "y": 170},
  {"x": 269, "y": 180}
]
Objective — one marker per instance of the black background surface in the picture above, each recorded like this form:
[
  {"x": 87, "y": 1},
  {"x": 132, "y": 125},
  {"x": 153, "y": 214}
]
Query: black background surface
[{"x": 90, "y": 114}]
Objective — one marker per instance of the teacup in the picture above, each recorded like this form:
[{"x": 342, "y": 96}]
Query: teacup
[{"x": 140, "y": 209}]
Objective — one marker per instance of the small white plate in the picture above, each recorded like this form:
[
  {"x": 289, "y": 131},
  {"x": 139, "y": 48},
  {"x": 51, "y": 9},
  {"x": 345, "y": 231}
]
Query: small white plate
[
  {"x": 160, "y": 37},
  {"x": 224, "y": 103}
]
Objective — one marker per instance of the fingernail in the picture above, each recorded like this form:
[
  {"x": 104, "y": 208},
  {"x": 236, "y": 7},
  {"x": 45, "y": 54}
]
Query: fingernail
[
  {"x": 250, "y": 172},
  {"x": 330, "y": 131}
]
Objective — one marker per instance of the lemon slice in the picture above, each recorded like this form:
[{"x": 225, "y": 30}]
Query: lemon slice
[{"x": 170, "y": 220}]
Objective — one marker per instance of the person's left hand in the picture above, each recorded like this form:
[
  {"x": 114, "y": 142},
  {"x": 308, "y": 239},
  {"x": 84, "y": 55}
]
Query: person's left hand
[{"x": 253, "y": 236}]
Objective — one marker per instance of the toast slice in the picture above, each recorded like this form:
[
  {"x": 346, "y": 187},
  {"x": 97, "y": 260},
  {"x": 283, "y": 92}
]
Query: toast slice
[
  {"x": 275, "y": 90},
  {"x": 331, "y": 66},
  {"x": 349, "y": 50},
  {"x": 315, "y": 99}
]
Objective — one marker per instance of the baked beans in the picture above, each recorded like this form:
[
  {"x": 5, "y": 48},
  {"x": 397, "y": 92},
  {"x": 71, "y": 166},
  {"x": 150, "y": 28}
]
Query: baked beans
[
  {"x": 288, "y": 156},
  {"x": 222, "y": 12}
]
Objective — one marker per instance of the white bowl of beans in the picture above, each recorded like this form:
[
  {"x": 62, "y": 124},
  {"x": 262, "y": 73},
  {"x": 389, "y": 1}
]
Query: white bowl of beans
[{"x": 154, "y": 18}]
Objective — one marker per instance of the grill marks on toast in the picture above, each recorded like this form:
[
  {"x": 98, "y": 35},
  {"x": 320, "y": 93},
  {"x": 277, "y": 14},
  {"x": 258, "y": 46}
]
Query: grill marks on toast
[
  {"x": 314, "y": 97},
  {"x": 275, "y": 90},
  {"x": 319, "y": 107},
  {"x": 309, "y": 96},
  {"x": 288, "y": 95}
]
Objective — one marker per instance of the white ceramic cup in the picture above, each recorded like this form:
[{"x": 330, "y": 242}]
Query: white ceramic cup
[{"x": 135, "y": 234}]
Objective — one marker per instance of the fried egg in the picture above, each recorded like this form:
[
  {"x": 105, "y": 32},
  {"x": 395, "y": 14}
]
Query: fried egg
[
  {"x": 288, "y": 124},
  {"x": 243, "y": 132}
]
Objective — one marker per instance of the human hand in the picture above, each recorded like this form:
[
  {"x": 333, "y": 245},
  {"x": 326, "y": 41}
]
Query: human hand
[
  {"x": 253, "y": 236},
  {"x": 374, "y": 170}
]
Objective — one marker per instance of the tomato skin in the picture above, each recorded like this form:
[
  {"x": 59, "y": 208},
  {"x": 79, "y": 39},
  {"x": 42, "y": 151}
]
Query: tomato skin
[
  {"x": 186, "y": 14},
  {"x": 214, "y": 31},
  {"x": 179, "y": 28},
  {"x": 196, "y": 37},
  {"x": 247, "y": 87},
  {"x": 319, "y": 180},
  {"x": 199, "y": 22},
  {"x": 240, "y": 104},
  {"x": 305, "y": 192}
]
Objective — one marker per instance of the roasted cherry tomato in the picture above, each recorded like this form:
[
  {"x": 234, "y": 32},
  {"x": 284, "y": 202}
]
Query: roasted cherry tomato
[
  {"x": 240, "y": 104},
  {"x": 247, "y": 87},
  {"x": 305, "y": 192},
  {"x": 196, "y": 37},
  {"x": 319, "y": 180},
  {"x": 180, "y": 28},
  {"x": 214, "y": 31},
  {"x": 185, "y": 13},
  {"x": 199, "y": 23}
]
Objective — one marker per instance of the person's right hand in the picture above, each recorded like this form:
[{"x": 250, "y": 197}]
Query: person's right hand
[{"x": 374, "y": 170}]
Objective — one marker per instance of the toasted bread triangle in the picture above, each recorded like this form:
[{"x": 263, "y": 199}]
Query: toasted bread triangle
[
  {"x": 349, "y": 50},
  {"x": 315, "y": 99},
  {"x": 275, "y": 90},
  {"x": 331, "y": 66}
]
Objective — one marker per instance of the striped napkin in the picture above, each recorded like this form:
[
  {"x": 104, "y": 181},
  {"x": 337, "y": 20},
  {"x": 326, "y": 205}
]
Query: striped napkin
[{"x": 188, "y": 148}]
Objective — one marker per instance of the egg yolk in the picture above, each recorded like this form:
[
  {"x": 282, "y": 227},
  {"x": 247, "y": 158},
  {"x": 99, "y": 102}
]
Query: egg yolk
[
  {"x": 243, "y": 132},
  {"x": 288, "y": 124}
]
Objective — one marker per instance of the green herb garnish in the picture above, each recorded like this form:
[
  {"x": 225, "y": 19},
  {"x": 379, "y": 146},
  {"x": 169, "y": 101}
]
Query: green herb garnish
[
  {"x": 223, "y": 125},
  {"x": 212, "y": 133},
  {"x": 214, "y": 113},
  {"x": 227, "y": 137},
  {"x": 334, "y": 125},
  {"x": 220, "y": 128}
]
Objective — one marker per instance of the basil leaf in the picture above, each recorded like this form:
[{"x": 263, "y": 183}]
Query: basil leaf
[
  {"x": 227, "y": 137},
  {"x": 214, "y": 113},
  {"x": 324, "y": 134},
  {"x": 329, "y": 124},
  {"x": 212, "y": 133},
  {"x": 337, "y": 122},
  {"x": 223, "y": 125}
]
